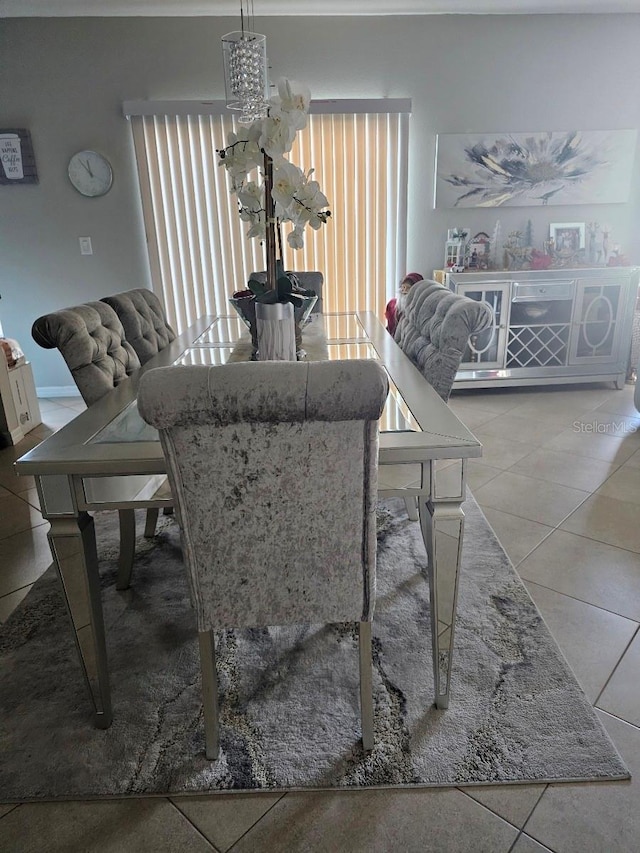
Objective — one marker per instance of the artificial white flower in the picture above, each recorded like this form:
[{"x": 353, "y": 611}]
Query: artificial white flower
[
  {"x": 251, "y": 196},
  {"x": 242, "y": 153},
  {"x": 294, "y": 99},
  {"x": 287, "y": 180},
  {"x": 311, "y": 204},
  {"x": 258, "y": 228},
  {"x": 296, "y": 238},
  {"x": 277, "y": 135}
]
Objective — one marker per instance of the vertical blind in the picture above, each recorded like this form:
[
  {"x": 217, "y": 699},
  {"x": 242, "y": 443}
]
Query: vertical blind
[{"x": 199, "y": 254}]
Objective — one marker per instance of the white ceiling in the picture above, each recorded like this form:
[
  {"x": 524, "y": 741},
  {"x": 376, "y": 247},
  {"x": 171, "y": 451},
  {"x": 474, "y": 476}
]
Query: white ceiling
[{"x": 263, "y": 8}]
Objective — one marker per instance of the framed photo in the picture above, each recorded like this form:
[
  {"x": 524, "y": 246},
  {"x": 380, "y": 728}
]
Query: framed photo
[{"x": 568, "y": 237}]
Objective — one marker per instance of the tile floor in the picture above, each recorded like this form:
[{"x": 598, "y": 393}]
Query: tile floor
[{"x": 560, "y": 484}]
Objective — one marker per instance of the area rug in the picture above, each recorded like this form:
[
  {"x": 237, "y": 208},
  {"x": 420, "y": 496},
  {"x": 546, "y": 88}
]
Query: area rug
[{"x": 289, "y": 697}]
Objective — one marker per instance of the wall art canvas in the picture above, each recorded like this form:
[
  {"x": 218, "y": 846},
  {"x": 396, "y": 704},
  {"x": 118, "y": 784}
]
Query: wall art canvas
[{"x": 534, "y": 169}]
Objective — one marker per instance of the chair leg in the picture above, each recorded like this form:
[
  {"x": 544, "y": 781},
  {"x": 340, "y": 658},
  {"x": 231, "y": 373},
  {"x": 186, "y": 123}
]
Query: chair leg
[
  {"x": 209, "y": 693},
  {"x": 127, "y": 547},
  {"x": 412, "y": 508},
  {"x": 150, "y": 524},
  {"x": 366, "y": 685}
]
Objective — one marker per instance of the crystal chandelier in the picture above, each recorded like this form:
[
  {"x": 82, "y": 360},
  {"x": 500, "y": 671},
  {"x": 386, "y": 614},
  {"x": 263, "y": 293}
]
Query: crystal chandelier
[{"x": 246, "y": 76}]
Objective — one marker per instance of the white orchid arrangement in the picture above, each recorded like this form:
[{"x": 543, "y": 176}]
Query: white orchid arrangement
[{"x": 286, "y": 193}]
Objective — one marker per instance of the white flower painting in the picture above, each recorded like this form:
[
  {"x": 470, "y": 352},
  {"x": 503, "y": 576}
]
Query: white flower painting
[{"x": 534, "y": 169}]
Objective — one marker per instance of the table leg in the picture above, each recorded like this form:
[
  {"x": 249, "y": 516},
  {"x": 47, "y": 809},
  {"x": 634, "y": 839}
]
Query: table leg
[
  {"x": 73, "y": 547},
  {"x": 442, "y": 524}
]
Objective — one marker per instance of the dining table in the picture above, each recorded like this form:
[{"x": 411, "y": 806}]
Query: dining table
[{"x": 109, "y": 458}]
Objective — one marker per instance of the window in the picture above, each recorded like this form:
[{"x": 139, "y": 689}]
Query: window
[{"x": 198, "y": 252}]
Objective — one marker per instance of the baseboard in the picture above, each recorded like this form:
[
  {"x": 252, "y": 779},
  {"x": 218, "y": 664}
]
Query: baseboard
[{"x": 57, "y": 391}]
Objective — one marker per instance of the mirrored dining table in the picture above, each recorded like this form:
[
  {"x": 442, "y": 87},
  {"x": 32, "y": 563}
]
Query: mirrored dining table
[{"x": 108, "y": 458}]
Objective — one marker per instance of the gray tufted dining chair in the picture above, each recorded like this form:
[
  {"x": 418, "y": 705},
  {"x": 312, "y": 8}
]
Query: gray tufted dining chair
[
  {"x": 247, "y": 445},
  {"x": 91, "y": 340},
  {"x": 434, "y": 330},
  {"x": 144, "y": 321}
]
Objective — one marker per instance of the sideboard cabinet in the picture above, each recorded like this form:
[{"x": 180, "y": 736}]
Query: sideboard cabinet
[{"x": 550, "y": 326}]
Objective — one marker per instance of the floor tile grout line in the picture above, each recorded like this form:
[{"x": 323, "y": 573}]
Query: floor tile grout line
[
  {"x": 593, "y": 539},
  {"x": 24, "y": 586},
  {"x": 520, "y": 518},
  {"x": 253, "y": 826},
  {"x": 11, "y": 810},
  {"x": 544, "y": 447},
  {"x": 581, "y": 601},
  {"x": 616, "y": 717},
  {"x": 488, "y": 808},
  {"x": 530, "y": 815},
  {"x": 615, "y": 668},
  {"x": 26, "y": 529},
  {"x": 193, "y": 825},
  {"x": 587, "y": 495},
  {"x": 513, "y": 470}
]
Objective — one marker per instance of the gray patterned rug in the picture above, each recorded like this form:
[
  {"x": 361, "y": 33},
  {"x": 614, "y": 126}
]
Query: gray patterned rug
[{"x": 290, "y": 715}]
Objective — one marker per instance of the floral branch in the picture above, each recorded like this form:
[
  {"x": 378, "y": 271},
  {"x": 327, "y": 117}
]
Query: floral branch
[{"x": 297, "y": 198}]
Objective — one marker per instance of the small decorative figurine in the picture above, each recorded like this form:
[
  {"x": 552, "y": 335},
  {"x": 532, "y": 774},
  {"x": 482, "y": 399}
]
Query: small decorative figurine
[{"x": 455, "y": 248}]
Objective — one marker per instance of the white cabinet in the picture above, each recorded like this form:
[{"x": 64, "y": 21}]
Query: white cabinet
[
  {"x": 550, "y": 326},
  {"x": 19, "y": 410}
]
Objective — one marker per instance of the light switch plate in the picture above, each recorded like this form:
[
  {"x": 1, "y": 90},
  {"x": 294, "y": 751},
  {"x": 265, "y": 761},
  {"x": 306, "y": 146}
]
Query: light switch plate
[{"x": 85, "y": 246}]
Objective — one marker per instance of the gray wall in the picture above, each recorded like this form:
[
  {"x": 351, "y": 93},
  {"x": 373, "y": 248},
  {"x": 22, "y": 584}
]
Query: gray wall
[{"x": 65, "y": 80}]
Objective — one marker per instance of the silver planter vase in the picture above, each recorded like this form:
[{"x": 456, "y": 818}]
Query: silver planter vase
[
  {"x": 246, "y": 308},
  {"x": 276, "y": 331}
]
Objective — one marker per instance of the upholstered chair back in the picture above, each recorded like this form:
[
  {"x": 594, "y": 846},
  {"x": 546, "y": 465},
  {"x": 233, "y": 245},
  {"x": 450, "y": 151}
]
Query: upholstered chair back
[
  {"x": 91, "y": 340},
  {"x": 273, "y": 467},
  {"x": 434, "y": 329},
  {"x": 144, "y": 321},
  {"x": 309, "y": 279}
]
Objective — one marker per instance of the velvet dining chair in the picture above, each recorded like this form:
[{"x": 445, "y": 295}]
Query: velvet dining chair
[
  {"x": 247, "y": 445},
  {"x": 434, "y": 330},
  {"x": 144, "y": 321},
  {"x": 91, "y": 340}
]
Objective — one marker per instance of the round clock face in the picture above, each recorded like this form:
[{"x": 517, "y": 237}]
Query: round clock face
[{"x": 90, "y": 173}]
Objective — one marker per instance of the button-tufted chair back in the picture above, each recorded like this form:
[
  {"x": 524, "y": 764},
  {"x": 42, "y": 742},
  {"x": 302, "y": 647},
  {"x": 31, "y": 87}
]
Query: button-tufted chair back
[
  {"x": 91, "y": 340},
  {"x": 247, "y": 445},
  {"x": 434, "y": 330},
  {"x": 144, "y": 321}
]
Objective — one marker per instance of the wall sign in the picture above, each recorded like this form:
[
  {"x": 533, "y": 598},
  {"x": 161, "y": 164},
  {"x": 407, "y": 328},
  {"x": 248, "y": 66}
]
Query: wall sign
[{"x": 17, "y": 162}]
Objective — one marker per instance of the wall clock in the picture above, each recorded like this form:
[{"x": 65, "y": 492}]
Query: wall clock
[{"x": 90, "y": 173}]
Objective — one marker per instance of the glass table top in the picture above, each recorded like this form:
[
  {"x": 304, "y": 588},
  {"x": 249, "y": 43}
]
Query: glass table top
[
  {"x": 343, "y": 327},
  {"x": 228, "y": 330},
  {"x": 125, "y": 427},
  {"x": 223, "y": 330},
  {"x": 212, "y": 354},
  {"x": 344, "y": 338}
]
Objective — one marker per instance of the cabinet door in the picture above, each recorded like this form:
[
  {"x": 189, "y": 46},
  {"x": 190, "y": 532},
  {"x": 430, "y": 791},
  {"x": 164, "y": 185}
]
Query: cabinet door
[
  {"x": 596, "y": 322},
  {"x": 488, "y": 348}
]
